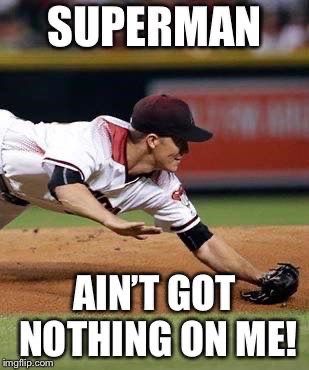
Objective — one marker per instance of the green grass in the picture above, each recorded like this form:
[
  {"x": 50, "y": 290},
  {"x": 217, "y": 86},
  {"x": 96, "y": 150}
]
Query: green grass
[
  {"x": 215, "y": 211},
  {"x": 8, "y": 341}
]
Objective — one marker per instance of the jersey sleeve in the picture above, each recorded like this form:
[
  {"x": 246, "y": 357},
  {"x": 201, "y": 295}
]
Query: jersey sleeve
[
  {"x": 170, "y": 206},
  {"x": 74, "y": 150}
]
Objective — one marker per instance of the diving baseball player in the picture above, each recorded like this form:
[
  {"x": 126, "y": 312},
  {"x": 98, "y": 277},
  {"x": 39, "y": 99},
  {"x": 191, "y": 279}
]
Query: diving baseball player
[{"x": 105, "y": 167}]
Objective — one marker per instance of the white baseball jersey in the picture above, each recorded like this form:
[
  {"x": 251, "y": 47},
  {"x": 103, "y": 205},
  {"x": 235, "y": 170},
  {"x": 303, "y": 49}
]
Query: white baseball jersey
[{"x": 97, "y": 149}]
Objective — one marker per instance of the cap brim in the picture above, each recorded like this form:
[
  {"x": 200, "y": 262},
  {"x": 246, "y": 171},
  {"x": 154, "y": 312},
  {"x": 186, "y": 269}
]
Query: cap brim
[{"x": 196, "y": 134}]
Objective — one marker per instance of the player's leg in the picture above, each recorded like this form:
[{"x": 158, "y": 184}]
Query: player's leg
[{"x": 8, "y": 212}]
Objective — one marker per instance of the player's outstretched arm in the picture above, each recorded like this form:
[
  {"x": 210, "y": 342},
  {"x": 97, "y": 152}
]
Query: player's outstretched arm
[
  {"x": 77, "y": 199},
  {"x": 220, "y": 257},
  {"x": 274, "y": 286}
]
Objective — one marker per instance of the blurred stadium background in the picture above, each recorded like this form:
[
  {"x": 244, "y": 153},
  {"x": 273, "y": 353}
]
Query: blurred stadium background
[{"x": 255, "y": 101}]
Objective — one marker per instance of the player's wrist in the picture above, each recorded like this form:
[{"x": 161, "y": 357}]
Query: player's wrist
[{"x": 111, "y": 221}]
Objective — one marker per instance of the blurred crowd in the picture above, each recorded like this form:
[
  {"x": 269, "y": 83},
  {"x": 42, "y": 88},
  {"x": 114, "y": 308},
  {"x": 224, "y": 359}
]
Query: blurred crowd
[{"x": 23, "y": 23}]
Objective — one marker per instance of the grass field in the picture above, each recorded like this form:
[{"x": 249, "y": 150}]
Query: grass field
[
  {"x": 225, "y": 211},
  {"x": 9, "y": 339},
  {"x": 215, "y": 211}
]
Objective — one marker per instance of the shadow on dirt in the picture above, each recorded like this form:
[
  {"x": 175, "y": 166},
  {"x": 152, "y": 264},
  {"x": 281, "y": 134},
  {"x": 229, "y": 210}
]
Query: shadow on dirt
[{"x": 58, "y": 271}]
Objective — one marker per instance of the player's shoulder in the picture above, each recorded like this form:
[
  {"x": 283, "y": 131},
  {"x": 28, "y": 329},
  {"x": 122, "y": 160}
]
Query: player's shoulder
[
  {"x": 171, "y": 190},
  {"x": 164, "y": 179},
  {"x": 113, "y": 133},
  {"x": 112, "y": 129},
  {"x": 6, "y": 113},
  {"x": 112, "y": 121}
]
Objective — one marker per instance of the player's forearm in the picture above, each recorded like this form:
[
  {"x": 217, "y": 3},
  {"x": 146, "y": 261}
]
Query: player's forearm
[
  {"x": 77, "y": 199},
  {"x": 220, "y": 257}
]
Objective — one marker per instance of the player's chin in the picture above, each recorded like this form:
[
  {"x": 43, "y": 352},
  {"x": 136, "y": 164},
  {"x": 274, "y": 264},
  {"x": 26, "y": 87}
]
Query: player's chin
[{"x": 173, "y": 167}]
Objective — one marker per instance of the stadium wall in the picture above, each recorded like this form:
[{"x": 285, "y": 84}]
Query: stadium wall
[{"x": 256, "y": 105}]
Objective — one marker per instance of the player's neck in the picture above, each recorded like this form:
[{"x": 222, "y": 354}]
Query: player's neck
[{"x": 139, "y": 161}]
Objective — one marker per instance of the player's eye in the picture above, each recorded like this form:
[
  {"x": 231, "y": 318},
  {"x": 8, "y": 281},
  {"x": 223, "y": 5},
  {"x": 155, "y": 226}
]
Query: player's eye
[{"x": 181, "y": 144}]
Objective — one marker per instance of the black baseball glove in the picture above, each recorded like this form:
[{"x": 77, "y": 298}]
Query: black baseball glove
[{"x": 276, "y": 286}]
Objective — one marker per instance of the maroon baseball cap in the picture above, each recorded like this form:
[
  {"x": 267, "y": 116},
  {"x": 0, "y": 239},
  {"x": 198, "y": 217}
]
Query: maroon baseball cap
[{"x": 167, "y": 116}]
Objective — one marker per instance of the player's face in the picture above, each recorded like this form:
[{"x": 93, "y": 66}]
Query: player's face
[{"x": 169, "y": 153}]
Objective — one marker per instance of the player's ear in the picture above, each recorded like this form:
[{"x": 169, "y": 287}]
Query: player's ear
[{"x": 152, "y": 140}]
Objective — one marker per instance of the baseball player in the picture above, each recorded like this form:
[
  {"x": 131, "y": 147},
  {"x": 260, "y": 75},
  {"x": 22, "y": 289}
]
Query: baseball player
[{"x": 105, "y": 167}]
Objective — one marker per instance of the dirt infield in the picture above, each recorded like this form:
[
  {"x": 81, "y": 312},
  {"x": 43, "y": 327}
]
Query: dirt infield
[{"x": 37, "y": 267}]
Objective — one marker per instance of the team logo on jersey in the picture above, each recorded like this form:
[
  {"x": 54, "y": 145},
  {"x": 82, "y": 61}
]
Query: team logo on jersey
[{"x": 181, "y": 195}]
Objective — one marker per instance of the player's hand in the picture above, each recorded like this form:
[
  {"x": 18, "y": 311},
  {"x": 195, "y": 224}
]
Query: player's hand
[
  {"x": 277, "y": 285},
  {"x": 137, "y": 230}
]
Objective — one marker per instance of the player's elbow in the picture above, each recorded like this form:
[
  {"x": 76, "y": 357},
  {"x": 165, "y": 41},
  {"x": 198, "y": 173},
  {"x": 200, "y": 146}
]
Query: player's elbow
[
  {"x": 196, "y": 237},
  {"x": 64, "y": 193},
  {"x": 63, "y": 181},
  {"x": 204, "y": 250}
]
